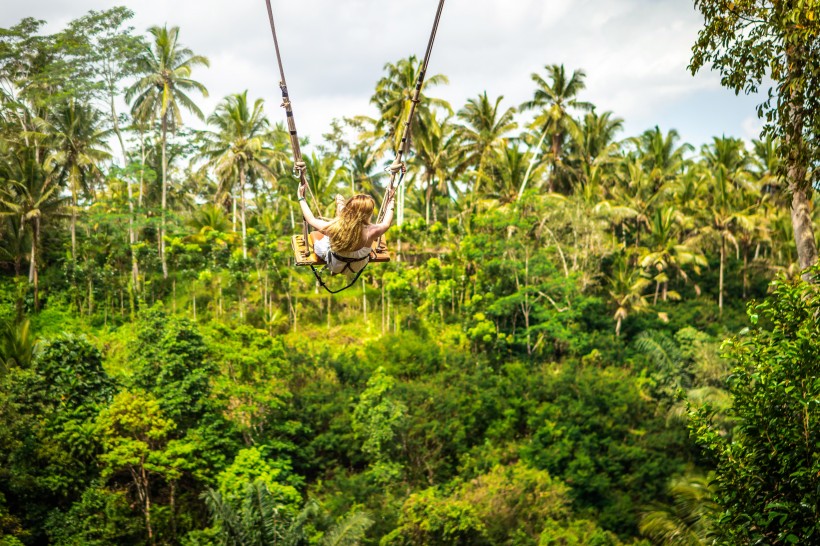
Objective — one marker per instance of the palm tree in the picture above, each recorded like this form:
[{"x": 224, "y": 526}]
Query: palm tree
[
  {"x": 554, "y": 99},
  {"x": 509, "y": 168},
  {"x": 483, "y": 132},
  {"x": 165, "y": 68},
  {"x": 661, "y": 155},
  {"x": 27, "y": 193},
  {"x": 15, "y": 243},
  {"x": 393, "y": 93},
  {"x": 239, "y": 147},
  {"x": 665, "y": 251},
  {"x": 626, "y": 290},
  {"x": 688, "y": 520},
  {"x": 435, "y": 145},
  {"x": 78, "y": 140},
  {"x": 257, "y": 520},
  {"x": 17, "y": 344},
  {"x": 593, "y": 152},
  {"x": 209, "y": 217},
  {"x": 327, "y": 175},
  {"x": 726, "y": 161},
  {"x": 631, "y": 198}
]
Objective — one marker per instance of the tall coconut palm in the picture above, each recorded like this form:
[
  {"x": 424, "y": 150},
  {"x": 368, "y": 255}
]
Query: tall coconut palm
[
  {"x": 509, "y": 168},
  {"x": 553, "y": 100},
  {"x": 76, "y": 134},
  {"x": 393, "y": 93},
  {"x": 435, "y": 145},
  {"x": 593, "y": 154},
  {"x": 632, "y": 197},
  {"x": 594, "y": 136},
  {"x": 33, "y": 197},
  {"x": 239, "y": 146},
  {"x": 725, "y": 161},
  {"x": 661, "y": 155},
  {"x": 482, "y": 133},
  {"x": 161, "y": 91},
  {"x": 626, "y": 290},
  {"x": 666, "y": 253}
]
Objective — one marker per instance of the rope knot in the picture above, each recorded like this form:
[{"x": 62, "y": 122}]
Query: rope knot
[{"x": 397, "y": 166}]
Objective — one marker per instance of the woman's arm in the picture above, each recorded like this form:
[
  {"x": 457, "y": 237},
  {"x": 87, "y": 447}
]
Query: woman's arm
[
  {"x": 377, "y": 230},
  {"x": 314, "y": 222}
]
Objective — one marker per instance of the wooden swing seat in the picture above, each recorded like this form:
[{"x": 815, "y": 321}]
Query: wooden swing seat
[{"x": 306, "y": 256}]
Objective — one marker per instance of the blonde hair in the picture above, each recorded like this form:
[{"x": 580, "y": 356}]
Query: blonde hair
[{"x": 346, "y": 231}]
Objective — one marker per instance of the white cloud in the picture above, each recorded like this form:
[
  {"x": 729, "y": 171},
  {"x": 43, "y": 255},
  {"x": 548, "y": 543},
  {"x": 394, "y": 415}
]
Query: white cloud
[{"x": 635, "y": 52}]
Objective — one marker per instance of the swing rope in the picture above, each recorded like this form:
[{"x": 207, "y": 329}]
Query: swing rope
[
  {"x": 299, "y": 166},
  {"x": 403, "y": 149},
  {"x": 404, "y": 145}
]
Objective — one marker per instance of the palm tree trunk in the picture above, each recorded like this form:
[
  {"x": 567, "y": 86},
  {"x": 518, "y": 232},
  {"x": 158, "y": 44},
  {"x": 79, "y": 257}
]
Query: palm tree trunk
[
  {"x": 90, "y": 291},
  {"x": 399, "y": 197},
  {"x": 532, "y": 163},
  {"x": 33, "y": 276},
  {"x": 132, "y": 240},
  {"x": 164, "y": 196},
  {"x": 364, "y": 303},
  {"x": 428, "y": 197},
  {"x": 556, "y": 157},
  {"x": 142, "y": 169},
  {"x": 73, "y": 225},
  {"x": 242, "y": 203},
  {"x": 722, "y": 261}
]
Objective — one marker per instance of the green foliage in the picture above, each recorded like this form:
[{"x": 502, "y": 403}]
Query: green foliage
[
  {"x": 767, "y": 470},
  {"x": 598, "y": 433},
  {"x": 169, "y": 360},
  {"x": 133, "y": 432},
  {"x": 518, "y": 374},
  {"x": 17, "y": 343},
  {"x": 515, "y": 501},
  {"x": 688, "y": 519},
  {"x": 577, "y": 533},
  {"x": 100, "y": 517},
  {"x": 252, "y": 379},
  {"x": 72, "y": 369},
  {"x": 375, "y": 420},
  {"x": 428, "y": 519},
  {"x": 753, "y": 43},
  {"x": 251, "y": 467}
]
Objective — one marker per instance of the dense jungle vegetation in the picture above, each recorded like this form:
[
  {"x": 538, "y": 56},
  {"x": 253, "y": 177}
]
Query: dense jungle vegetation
[{"x": 539, "y": 364}]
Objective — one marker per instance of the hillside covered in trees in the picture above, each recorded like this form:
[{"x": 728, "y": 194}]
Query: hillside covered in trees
[{"x": 539, "y": 364}]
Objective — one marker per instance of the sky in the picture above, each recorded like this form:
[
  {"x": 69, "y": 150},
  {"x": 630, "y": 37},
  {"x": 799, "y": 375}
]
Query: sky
[{"x": 634, "y": 53}]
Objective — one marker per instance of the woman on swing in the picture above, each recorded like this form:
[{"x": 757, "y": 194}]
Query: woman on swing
[{"x": 345, "y": 242}]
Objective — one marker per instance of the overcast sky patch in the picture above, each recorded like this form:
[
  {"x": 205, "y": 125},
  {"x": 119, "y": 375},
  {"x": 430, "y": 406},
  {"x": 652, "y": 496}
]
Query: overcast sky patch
[{"x": 635, "y": 54}]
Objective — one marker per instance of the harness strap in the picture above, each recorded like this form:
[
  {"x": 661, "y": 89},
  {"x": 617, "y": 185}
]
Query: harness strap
[{"x": 347, "y": 261}]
